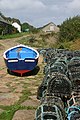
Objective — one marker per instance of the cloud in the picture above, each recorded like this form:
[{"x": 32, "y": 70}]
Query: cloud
[
  {"x": 54, "y": 7},
  {"x": 18, "y": 4},
  {"x": 38, "y": 12},
  {"x": 73, "y": 8},
  {"x": 75, "y": 4}
]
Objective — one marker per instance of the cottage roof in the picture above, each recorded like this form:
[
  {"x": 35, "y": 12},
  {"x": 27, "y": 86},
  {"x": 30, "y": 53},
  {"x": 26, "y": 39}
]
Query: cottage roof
[
  {"x": 48, "y": 24},
  {"x": 3, "y": 20}
]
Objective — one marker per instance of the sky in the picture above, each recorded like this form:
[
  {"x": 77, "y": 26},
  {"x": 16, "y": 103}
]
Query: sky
[{"x": 40, "y": 12}]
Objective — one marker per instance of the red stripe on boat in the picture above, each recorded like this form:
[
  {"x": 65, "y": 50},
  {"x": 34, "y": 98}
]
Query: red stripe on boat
[{"x": 21, "y": 71}]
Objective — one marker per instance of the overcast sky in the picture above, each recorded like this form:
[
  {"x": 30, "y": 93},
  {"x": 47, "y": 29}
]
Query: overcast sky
[{"x": 40, "y": 12}]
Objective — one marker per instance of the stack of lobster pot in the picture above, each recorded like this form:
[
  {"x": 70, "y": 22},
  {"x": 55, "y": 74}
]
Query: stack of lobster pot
[
  {"x": 74, "y": 72},
  {"x": 73, "y": 111},
  {"x": 55, "y": 88},
  {"x": 59, "y": 91}
]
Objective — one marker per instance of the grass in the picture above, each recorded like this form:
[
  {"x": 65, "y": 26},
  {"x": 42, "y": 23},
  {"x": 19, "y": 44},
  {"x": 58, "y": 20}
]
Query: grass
[
  {"x": 36, "y": 40},
  {"x": 33, "y": 40},
  {"x": 13, "y": 35},
  {"x": 42, "y": 40},
  {"x": 71, "y": 45},
  {"x": 75, "y": 45},
  {"x": 9, "y": 111},
  {"x": 25, "y": 94},
  {"x": 24, "y": 41}
]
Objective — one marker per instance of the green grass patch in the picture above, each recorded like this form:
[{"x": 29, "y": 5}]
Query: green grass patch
[
  {"x": 63, "y": 45},
  {"x": 12, "y": 35},
  {"x": 31, "y": 108},
  {"x": 24, "y": 41},
  {"x": 25, "y": 95},
  {"x": 9, "y": 111},
  {"x": 35, "y": 41}
]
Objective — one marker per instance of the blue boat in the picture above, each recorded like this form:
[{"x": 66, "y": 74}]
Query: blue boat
[{"x": 21, "y": 59}]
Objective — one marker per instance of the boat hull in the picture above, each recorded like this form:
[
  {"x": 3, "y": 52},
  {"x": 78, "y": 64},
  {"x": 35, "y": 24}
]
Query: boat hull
[{"x": 21, "y": 66}]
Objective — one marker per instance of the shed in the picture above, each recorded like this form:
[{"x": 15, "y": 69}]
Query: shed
[{"x": 50, "y": 27}]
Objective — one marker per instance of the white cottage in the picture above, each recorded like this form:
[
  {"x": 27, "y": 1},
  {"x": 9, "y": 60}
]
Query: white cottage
[{"x": 16, "y": 25}]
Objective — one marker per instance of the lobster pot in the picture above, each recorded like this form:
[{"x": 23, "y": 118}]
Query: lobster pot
[
  {"x": 74, "y": 69},
  {"x": 60, "y": 85}
]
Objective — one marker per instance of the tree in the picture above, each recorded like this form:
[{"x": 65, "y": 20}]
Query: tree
[
  {"x": 70, "y": 29},
  {"x": 27, "y": 27}
]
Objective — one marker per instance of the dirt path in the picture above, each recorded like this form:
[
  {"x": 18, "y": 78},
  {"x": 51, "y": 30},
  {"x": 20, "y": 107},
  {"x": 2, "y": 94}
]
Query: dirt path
[{"x": 18, "y": 90}]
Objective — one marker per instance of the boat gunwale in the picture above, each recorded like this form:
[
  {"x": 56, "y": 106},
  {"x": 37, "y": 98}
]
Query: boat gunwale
[{"x": 4, "y": 55}]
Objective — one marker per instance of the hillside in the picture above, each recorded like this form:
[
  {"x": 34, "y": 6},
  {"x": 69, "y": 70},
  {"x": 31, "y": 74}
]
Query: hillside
[{"x": 42, "y": 40}]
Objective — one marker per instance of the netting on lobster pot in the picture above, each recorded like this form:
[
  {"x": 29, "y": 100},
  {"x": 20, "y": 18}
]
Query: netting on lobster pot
[
  {"x": 60, "y": 85},
  {"x": 74, "y": 69},
  {"x": 75, "y": 116}
]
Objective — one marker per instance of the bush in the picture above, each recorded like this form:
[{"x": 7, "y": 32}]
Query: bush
[{"x": 70, "y": 29}]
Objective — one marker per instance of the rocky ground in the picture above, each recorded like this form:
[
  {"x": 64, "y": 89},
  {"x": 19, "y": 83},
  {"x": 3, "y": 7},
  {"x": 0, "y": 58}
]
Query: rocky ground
[{"x": 18, "y": 94}]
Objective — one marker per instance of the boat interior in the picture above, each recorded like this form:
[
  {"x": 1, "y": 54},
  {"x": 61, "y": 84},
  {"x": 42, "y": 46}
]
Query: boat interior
[{"x": 21, "y": 53}]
